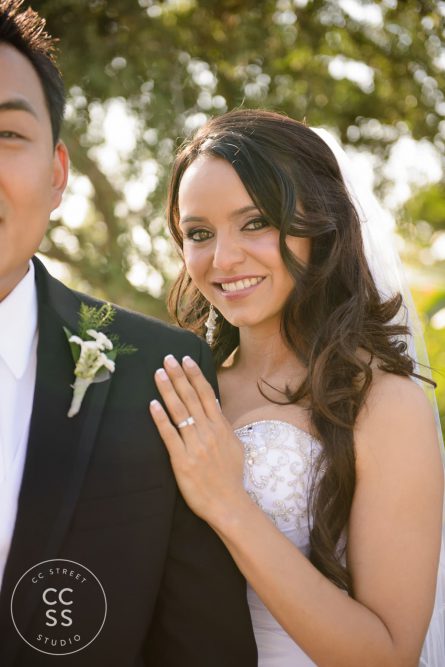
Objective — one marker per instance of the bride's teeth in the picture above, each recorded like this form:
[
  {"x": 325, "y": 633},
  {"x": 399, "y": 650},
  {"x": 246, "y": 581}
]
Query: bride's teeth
[{"x": 240, "y": 284}]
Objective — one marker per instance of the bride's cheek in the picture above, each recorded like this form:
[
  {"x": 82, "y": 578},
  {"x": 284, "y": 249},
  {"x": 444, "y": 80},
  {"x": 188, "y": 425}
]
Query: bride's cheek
[{"x": 196, "y": 261}]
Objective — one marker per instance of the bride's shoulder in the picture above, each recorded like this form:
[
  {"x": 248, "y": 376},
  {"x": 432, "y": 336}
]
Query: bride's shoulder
[
  {"x": 396, "y": 417},
  {"x": 391, "y": 395}
]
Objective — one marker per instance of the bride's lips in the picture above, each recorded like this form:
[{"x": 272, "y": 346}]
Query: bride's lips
[{"x": 237, "y": 287}]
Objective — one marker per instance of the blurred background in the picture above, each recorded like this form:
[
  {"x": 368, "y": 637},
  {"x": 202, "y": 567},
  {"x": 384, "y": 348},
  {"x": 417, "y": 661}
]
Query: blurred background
[{"x": 141, "y": 75}]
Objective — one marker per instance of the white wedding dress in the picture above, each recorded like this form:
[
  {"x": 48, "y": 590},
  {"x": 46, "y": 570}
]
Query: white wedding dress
[{"x": 279, "y": 459}]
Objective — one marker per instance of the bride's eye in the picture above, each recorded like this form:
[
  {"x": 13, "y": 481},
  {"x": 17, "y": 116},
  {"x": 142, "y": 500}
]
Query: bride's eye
[
  {"x": 256, "y": 224},
  {"x": 198, "y": 235}
]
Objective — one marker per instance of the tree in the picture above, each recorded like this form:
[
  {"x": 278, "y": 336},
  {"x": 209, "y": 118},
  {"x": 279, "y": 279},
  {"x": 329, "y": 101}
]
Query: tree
[
  {"x": 373, "y": 71},
  {"x": 173, "y": 63}
]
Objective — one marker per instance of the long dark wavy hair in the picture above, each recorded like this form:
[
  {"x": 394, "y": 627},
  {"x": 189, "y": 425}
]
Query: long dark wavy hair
[{"x": 334, "y": 311}]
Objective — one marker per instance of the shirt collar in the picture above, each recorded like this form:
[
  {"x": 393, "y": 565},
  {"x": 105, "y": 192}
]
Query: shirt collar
[{"x": 18, "y": 324}]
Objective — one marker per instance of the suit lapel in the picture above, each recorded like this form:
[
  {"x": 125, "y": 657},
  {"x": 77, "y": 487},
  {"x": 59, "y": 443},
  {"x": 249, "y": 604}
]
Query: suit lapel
[{"x": 59, "y": 448}]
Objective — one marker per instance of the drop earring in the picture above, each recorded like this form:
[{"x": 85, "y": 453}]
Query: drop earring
[{"x": 210, "y": 325}]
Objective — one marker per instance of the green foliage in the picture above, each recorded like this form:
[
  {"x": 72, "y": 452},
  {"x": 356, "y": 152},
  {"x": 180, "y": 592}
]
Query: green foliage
[
  {"x": 429, "y": 302},
  {"x": 74, "y": 347},
  {"x": 435, "y": 340},
  {"x": 175, "y": 62},
  {"x": 120, "y": 348},
  {"x": 97, "y": 319},
  {"x": 91, "y": 317},
  {"x": 428, "y": 205}
]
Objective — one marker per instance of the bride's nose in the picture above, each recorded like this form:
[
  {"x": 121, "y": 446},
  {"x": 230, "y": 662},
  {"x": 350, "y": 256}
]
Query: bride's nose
[{"x": 228, "y": 253}]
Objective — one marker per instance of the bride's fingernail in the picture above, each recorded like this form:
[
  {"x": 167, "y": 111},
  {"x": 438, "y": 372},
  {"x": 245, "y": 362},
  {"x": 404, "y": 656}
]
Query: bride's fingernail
[
  {"x": 161, "y": 374},
  {"x": 188, "y": 362},
  {"x": 155, "y": 405},
  {"x": 171, "y": 361}
]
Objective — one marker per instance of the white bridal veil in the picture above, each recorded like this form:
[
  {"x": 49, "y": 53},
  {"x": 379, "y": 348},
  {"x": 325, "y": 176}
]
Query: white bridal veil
[{"x": 377, "y": 230}]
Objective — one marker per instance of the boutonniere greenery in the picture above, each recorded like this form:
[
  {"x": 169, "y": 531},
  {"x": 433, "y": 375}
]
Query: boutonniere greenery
[{"x": 94, "y": 352}]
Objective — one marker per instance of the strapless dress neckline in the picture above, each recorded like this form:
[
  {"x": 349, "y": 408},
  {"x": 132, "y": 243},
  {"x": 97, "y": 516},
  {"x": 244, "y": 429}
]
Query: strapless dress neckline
[{"x": 278, "y": 422}]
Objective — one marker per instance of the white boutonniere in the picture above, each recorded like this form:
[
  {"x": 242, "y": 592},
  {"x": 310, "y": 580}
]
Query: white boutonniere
[{"x": 94, "y": 353}]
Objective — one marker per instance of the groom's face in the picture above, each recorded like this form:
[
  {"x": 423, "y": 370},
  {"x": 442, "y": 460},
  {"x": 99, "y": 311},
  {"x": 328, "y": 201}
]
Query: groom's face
[{"x": 32, "y": 172}]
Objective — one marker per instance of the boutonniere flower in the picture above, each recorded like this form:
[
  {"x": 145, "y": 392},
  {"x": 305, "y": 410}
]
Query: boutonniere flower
[{"x": 94, "y": 352}]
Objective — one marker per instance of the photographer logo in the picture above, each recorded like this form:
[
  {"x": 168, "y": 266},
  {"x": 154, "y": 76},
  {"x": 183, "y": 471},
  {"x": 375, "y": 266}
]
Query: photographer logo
[{"x": 68, "y": 607}]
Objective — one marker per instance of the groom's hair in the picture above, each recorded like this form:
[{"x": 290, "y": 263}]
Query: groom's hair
[{"x": 25, "y": 31}]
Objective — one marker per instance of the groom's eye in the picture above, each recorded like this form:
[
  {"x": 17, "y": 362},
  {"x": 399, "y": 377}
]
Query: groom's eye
[{"x": 10, "y": 134}]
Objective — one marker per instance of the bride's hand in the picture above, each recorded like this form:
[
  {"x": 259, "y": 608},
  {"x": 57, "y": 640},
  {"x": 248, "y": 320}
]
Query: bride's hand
[{"x": 206, "y": 456}]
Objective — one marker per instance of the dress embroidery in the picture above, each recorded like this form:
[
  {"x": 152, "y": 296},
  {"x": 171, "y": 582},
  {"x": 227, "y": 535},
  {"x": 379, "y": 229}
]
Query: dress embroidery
[
  {"x": 279, "y": 463},
  {"x": 279, "y": 460}
]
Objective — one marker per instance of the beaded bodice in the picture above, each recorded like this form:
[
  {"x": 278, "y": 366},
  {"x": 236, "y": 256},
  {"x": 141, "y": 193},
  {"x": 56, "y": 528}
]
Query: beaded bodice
[
  {"x": 278, "y": 467},
  {"x": 279, "y": 462}
]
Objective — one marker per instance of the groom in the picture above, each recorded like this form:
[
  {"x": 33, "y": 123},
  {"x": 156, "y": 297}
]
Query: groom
[{"x": 101, "y": 562}]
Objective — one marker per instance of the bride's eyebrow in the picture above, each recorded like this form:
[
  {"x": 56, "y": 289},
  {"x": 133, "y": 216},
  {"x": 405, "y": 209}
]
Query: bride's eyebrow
[
  {"x": 235, "y": 214},
  {"x": 246, "y": 209},
  {"x": 192, "y": 218}
]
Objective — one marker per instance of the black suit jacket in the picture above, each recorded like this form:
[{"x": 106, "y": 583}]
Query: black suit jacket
[{"x": 98, "y": 489}]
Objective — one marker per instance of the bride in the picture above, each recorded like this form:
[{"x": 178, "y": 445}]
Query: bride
[{"x": 322, "y": 474}]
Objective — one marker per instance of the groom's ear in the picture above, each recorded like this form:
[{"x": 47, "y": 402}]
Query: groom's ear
[{"x": 61, "y": 163}]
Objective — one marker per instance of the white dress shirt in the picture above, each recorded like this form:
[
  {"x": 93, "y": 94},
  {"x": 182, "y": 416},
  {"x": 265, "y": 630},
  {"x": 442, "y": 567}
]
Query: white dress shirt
[{"x": 18, "y": 363}]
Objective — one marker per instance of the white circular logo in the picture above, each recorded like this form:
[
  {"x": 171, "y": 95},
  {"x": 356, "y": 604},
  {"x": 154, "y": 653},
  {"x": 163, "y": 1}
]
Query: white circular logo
[{"x": 70, "y": 611}]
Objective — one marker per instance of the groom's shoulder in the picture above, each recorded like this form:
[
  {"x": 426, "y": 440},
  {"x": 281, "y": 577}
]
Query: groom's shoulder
[
  {"x": 143, "y": 328},
  {"x": 142, "y": 331}
]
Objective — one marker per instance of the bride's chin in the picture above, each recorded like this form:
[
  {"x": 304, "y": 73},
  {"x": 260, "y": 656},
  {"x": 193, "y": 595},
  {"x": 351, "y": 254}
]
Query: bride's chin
[
  {"x": 240, "y": 317},
  {"x": 242, "y": 321}
]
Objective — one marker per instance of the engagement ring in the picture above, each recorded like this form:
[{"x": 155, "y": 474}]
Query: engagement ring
[{"x": 186, "y": 422}]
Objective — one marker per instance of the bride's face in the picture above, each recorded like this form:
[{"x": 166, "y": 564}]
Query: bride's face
[{"x": 231, "y": 253}]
